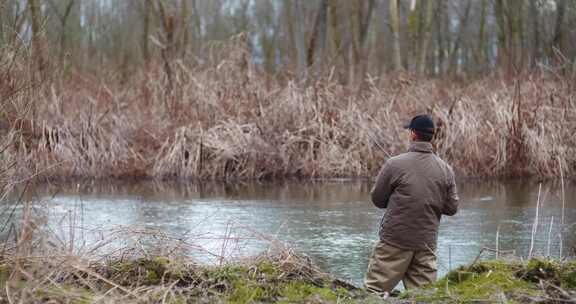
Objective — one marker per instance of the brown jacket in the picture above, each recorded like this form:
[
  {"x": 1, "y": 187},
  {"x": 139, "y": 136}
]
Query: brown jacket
[{"x": 416, "y": 188}]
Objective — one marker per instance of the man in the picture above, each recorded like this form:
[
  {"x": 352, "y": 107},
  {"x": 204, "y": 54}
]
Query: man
[{"x": 416, "y": 188}]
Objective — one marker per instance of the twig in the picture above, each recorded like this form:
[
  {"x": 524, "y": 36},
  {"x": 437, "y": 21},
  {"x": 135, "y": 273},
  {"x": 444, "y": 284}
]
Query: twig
[
  {"x": 99, "y": 277},
  {"x": 168, "y": 290},
  {"x": 561, "y": 232},
  {"x": 549, "y": 236},
  {"x": 535, "y": 225},
  {"x": 497, "y": 241},
  {"x": 491, "y": 250}
]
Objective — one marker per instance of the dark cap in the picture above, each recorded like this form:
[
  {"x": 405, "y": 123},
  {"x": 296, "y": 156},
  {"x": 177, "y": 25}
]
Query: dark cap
[{"x": 422, "y": 123}]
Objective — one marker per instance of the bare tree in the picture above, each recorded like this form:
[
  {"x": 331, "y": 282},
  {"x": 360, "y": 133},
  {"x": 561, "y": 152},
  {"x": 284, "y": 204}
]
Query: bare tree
[
  {"x": 535, "y": 17},
  {"x": 63, "y": 17},
  {"x": 13, "y": 17},
  {"x": 184, "y": 33},
  {"x": 146, "y": 31},
  {"x": 442, "y": 35},
  {"x": 364, "y": 17},
  {"x": 463, "y": 22},
  {"x": 480, "y": 54},
  {"x": 167, "y": 47},
  {"x": 299, "y": 37},
  {"x": 559, "y": 31},
  {"x": 317, "y": 44},
  {"x": 426, "y": 33},
  {"x": 37, "y": 37},
  {"x": 436, "y": 36},
  {"x": 395, "y": 29},
  {"x": 503, "y": 50}
]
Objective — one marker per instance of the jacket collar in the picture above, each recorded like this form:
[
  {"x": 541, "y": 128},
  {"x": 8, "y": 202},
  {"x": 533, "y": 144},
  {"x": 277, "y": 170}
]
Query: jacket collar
[{"x": 420, "y": 146}]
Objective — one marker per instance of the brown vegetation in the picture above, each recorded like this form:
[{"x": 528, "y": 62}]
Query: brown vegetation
[
  {"x": 45, "y": 268},
  {"x": 235, "y": 89},
  {"x": 232, "y": 121}
]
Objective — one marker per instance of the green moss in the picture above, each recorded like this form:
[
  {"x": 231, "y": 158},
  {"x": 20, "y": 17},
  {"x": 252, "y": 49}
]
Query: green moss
[
  {"x": 66, "y": 293},
  {"x": 264, "y": 282},
  {"x": 569, "y": 280},
  {"x": 298, "y": 292},
  {"x": 228, "y": 273},
  {"x": 145, "y": 271},
  {"x": 486, "y": 281},
  {"x": 269, "y": 281},
  {"x": 568, "y": 277},
  {"x": 267, "y": 268},
  {"x": 540, "y": 269},
  {"x": 246, "y": 293},
  {"x": 543, "y": 265}
]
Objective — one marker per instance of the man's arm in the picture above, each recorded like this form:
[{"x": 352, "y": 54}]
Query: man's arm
[
  {"x": 385, "y": 184},
  {"x": 451, "y": 204}
]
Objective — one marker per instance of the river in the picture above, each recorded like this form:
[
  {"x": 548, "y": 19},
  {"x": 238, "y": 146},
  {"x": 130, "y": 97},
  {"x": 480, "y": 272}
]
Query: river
[{"x": 331, "y": 221}]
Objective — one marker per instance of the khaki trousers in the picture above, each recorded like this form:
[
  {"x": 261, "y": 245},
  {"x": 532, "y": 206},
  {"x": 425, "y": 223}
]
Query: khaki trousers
[{"x": 389, "y": 265}]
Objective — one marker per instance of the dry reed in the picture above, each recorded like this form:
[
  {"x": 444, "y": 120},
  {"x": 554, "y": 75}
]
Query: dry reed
[{"x": 228, "y": 120}]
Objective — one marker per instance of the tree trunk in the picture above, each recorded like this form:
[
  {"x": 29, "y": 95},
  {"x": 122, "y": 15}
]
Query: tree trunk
[
  {"x": 17, "y": 24},
  {"x": 559, "y": 31},
  {"x": 535, "y": 16},
  {"x": 185, "y": 15},
  {"x": 146, "y": 32},
  {"x": 414, "y": 24},
  {"x": 503, "y": 45},
  {"x": 299, "y": 37},
  {"x": 317, "y": 44},
  {"x": 461, "y": 31},
  {"x": 63, "y": 21},
  {"x": 426, "y": 33},
  {"x": 480, "y": 53},
  {"x": 288, "y": 19},
  {"x": 365, "y": 21},
  {"x": 359, "y": 24},
  {"x": 337, "y": 38},
  {"x": 442, "y": 32},
  {"x": 197, "y": 31},
  {"x": 354, "y": 19},
  {"x": 37, "y": 43},
  {"x": 515, "y": 25},
  {"x": 395, "y": 29},
  {"x": 167, "y": 50}
]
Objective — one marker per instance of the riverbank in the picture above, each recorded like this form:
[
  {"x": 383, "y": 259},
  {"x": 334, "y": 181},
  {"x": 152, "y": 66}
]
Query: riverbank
[
  {"x": 231, "y": 121},
  {"x": 281, "y": 278},
  {"x": 284, "y": 277},
  {"x": 538, "y": 280}
]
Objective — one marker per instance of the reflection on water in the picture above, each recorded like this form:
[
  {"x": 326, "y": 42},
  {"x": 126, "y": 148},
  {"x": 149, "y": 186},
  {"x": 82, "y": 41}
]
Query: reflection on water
[{"x": 332, "y": 221}]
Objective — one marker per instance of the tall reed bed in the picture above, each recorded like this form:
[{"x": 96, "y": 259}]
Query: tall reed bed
[{"x": 226, "y": 120}]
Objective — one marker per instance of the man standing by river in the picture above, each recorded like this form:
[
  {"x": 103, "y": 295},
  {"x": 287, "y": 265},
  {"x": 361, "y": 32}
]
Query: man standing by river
[{"x": 416, "y": 188}]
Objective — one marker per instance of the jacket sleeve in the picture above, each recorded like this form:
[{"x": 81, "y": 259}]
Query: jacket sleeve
[
  {"x": 384, "y": 185},
  {"x": 451, "y": 204}
]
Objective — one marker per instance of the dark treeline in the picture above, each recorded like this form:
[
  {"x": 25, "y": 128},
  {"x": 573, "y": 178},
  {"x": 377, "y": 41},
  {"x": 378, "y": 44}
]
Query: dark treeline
[{"x": 351, "y": 38}]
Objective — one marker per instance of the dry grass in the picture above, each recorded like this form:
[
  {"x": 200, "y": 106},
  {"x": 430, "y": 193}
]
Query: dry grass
[
  {"x": 37, "y": 266},
  {"x": 228, "y": 120}
]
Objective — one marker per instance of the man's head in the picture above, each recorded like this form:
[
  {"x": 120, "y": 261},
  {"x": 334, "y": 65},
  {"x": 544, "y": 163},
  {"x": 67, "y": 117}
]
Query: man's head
[{"x": 422, "y": 128}]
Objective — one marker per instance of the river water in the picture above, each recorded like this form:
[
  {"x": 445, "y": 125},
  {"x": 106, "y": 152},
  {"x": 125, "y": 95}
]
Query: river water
[{"x": 333, "y": 222}]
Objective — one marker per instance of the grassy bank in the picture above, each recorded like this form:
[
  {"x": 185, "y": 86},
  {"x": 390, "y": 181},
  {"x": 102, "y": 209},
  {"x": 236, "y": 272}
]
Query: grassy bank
[
  {"x": 503, "y": 281},
  {"x": 281, "y": 278},
  {"x": 228, "y": 120}
]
